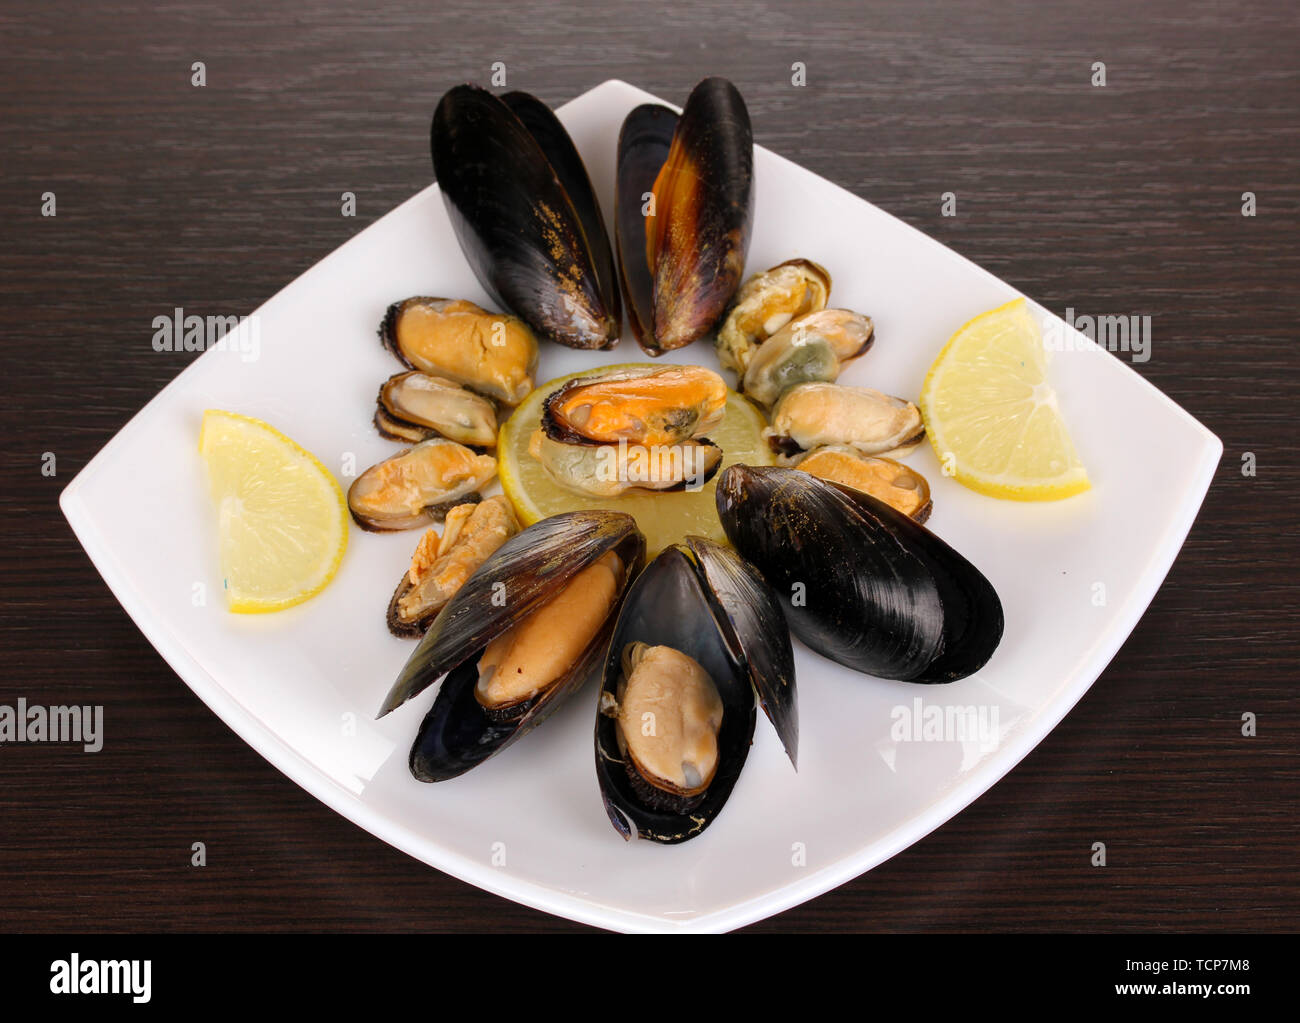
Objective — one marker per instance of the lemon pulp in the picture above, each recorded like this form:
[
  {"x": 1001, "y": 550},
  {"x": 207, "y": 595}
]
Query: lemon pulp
[
  {"x": 282, "y": 520},
  {"x": 664, "y": 518},
  {"x": 991, "y": 415}
]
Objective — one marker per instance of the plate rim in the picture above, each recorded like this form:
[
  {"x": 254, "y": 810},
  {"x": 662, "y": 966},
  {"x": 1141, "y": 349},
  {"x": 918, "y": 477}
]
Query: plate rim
[{"x": 294, "y": 766}]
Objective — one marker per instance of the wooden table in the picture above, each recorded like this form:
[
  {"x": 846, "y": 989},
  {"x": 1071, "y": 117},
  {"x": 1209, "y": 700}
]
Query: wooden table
[{"x": 1123, "y": 199}]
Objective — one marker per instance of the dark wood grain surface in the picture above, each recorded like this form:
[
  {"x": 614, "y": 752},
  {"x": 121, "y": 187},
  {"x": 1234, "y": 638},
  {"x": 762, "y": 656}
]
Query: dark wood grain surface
[{"x": 1124, "y": 199}]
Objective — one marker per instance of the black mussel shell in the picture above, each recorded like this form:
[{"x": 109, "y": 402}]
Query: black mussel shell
[
  {"x": 667, "y": 606},
  {"x": 643, "y": 144},
  {"x": 457, "y": 733},
  {"x": 525, "y": 235},
  {"x": 565, "y": 160},
  {"x": 523, "y": 573},
  {"x": 860, "y": 582},
  {"x": 703, "y": 187},
  {"x": 752, "y": 624}
]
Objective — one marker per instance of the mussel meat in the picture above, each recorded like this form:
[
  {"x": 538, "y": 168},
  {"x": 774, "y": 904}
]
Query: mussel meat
[
  {"x": 415, "y": 406},
  {"x": 523, "y": 632},
  {"x": 646, "y": 405},
  {"x": 640, "y": 427},
  {"x": 419, "y": 485},
  {"x": 698, "y": 634},
  {"x": 766, "y": 303},
  {"x": 523, "y": 209},
  {"x": 812, "y": 415},
  {"x": 898, "y": 485},
  {"x": 608, "y": 470},
  {"x": 489, "y": 353},
  {"x": 440, "y": 565},
  {"x": 684, "y": 198},
  {"x": 811, "y": 348},
  {"x": 861, "y": 583}
]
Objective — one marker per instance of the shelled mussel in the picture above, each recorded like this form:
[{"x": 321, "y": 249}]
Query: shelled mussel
[
  {"x": 415, "y": 406},
  {"x": 441, "y": 564},
  {"x": 898, "y": 485},
  {"x": 456, "y": 340},
  {"x": 522, "y": 633},
  {"x": 525, "y": 214},
  {"x": 419, "y": 485},
  {"x": 767, "y": 302},
  {"x": 684, "y": 212},
  {"x": 861, "y": 583},
  {"x": 642, "y": 427},
  {"x": 813, "y": 415},
  {"x": 809, "y": 349},
  {"x": 699, "y": 633}
]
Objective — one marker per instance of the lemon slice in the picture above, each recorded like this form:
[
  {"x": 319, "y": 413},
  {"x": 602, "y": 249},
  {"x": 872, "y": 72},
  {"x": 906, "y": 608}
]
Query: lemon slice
[
  {"x": 282, "y": 518},
  {"x": 991, "y": 415},
  {"x": 664, "y": 518}
]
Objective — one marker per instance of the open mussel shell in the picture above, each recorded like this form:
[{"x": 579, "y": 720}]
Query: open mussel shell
[
  {"x": 753, "y": 626},
  {"x": 458, "y": 732},
  {"x": 702, "y": 601},
  {"x": 565, "y": 160},
  {"x": 859, "y": 581},
  {"x": 522, "y": 207},
  {"x": 525, "y": 572},
  {"x": 681, "y": 265},
  {"x": 643, "y": 144}
]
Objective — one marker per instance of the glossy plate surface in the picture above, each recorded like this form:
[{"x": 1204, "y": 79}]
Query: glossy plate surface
[{"x": 291, "y": 682}]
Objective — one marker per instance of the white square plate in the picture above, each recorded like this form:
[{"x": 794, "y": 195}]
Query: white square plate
[{"x": 529, "y": 824}]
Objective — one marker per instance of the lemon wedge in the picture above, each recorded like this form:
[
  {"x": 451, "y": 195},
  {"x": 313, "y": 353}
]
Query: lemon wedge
[
  {"x": 664, "y": 518},
  {"x": 282, "y": 519},
  {"x": 991, "y": 415}
]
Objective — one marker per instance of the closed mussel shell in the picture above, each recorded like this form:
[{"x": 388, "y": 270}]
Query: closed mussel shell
[
  {"x": 878, "y": 591},
  {"x": 668, "y": 606}
]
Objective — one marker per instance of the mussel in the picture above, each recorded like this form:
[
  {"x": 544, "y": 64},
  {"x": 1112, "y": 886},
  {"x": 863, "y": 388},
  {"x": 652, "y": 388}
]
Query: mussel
[
  {"x": 441, "y": 564},
  {"x": 766, "y": 303},
  {"x": 608, "y": 470},
  {"x": 525, "y": 631},
  {"x": 419, "y": 485},
  {"x": 646, "y": 405},
  {"x": 812, "y": 348},
  {"x": 454, "y": 339},
  {"x": 898, "y": 485},
  {"x": 642, "y": 427},
  {"x": 860, "y": 582},
  {"x": 812, "y": 415},
  {"x": 523, "y": 209},
  {"x": 415, "y": 406},
  {"x": 684, "y": 213},
  {"x": 699, "y": 633}
]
